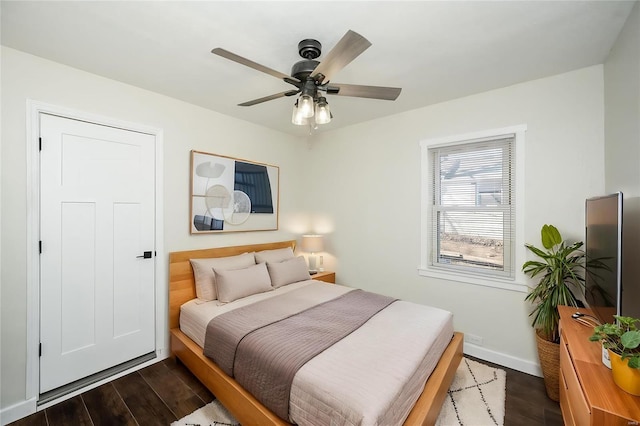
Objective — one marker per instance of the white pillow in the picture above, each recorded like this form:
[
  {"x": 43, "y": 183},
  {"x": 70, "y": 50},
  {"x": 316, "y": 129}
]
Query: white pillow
[
  {"x": 288, "y": 271},
  {"x": 205, "y": 278},
  {"x": 275, "y": 255},
  {"x": 232, "y": 284}
]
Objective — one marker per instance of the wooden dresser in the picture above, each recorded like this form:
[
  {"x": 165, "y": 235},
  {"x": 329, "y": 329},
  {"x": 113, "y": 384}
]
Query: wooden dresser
[{"x": 588, "y": 395}]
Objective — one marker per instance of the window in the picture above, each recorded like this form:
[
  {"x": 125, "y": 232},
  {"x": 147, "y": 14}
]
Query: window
[{"x": 470, "y": 206}]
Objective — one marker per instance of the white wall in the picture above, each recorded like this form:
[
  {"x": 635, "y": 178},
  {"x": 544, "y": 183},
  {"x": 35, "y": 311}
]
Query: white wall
[
  {"x": 622, "y": 109},
  {"x": 366, "y": 183},
  {"x": 185, "y": 126},
  {"x": 622, "y": 143}
]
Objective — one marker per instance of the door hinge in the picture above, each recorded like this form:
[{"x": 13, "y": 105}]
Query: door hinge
[
  {"x": 40, "y": 246},
  {"x": 39, "y": 144},
  {"x": 40, "y": 350}
]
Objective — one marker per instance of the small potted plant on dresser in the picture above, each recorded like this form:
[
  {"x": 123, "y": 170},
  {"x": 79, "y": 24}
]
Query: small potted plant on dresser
[
  {"x": 560, "y": 266},
  {"x": 622, "y": 340}
]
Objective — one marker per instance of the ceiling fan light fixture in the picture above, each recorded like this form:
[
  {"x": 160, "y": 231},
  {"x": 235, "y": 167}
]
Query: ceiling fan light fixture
[
  {"x": 323, "y": 113},
  {"x": 297, "y": 118},
  {"x": 306, "y": 106}
]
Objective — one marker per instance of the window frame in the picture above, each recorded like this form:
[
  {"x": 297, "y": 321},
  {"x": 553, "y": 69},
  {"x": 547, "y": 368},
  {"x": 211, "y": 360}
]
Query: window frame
[{"x": 476, "y": 276}]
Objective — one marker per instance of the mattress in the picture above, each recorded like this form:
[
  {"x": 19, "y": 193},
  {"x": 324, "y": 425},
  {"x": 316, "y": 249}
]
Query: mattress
[{"x": 371, "y": 377}]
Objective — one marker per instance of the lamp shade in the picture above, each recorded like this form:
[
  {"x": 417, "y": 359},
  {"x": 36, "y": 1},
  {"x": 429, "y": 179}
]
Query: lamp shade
[{"x": 312, "y": 243}]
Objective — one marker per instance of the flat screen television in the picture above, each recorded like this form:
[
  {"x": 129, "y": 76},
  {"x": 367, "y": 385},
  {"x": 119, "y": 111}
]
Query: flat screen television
[{"x": 603, "y": 244}]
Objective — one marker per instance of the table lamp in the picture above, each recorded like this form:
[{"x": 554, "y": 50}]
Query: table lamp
[{"x": 312, "y": 244}]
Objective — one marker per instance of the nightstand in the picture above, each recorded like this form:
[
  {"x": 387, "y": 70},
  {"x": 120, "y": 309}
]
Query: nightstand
[{"x": 326, "y": 276}]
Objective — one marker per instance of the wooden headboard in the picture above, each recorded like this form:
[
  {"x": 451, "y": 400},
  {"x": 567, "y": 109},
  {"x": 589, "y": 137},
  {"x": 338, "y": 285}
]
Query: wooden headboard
[{"x": 181, "y": 282}]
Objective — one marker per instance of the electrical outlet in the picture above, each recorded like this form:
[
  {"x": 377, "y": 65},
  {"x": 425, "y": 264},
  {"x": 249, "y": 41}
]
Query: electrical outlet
[{"x": 473, "y": 339}]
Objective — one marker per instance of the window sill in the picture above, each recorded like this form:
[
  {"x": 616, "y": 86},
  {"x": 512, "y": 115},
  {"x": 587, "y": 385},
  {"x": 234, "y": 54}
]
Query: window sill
[{"x": 510, "y": 285}]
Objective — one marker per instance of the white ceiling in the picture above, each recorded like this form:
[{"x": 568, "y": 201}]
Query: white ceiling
[{"x": 434, "y": 50}]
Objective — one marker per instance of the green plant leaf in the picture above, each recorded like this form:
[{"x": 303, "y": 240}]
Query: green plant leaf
[
  {"x": 630, "y": 339},
  {"x": 634, "y": 362},
  {"x": 538, "y": 252},
  {"x": 628, "y": 323},
  {"x": 550, "y": 236}
]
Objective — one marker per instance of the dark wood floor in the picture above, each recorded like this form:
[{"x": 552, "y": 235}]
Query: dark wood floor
[
  {"x": 167, "y": 391},
  {"x": 526, "y": 402}
]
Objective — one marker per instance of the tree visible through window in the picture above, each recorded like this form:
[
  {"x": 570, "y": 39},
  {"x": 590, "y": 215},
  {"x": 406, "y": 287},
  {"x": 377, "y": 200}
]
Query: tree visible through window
[{"x": 473, "y": 206}]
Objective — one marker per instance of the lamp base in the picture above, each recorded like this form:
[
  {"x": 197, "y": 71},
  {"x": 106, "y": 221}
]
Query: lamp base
[{"x": 312, "y": 264}]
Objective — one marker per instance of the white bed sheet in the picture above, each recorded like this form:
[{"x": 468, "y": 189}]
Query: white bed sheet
[
  {"x": 358, "y": 381},
  {"x": 195, "y": 315}
]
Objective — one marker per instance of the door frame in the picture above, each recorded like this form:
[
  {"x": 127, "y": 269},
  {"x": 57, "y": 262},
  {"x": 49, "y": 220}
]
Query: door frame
[{"x": 34, "y": 110}]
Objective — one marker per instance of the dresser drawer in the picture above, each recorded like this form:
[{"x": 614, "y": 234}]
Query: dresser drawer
[
  {"x": 574, "y": 397},
  {"x": 567, "y": 415}
]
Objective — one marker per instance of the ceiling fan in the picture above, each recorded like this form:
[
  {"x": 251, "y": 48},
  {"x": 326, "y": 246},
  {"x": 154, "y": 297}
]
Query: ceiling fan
[{"x": 312, "y": 78}]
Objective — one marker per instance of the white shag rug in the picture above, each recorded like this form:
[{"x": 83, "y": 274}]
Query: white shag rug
[
  {"x": 476, "y": 397},
  {"x": 212, "y": 414}
]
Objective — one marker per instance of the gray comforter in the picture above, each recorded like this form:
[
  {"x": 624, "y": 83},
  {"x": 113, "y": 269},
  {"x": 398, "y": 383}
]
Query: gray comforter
[{"x": 263, "y": 345}]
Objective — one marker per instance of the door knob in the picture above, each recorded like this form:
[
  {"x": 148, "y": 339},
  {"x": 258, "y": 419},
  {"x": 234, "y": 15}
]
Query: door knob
[{"x": 145, "y": 255}]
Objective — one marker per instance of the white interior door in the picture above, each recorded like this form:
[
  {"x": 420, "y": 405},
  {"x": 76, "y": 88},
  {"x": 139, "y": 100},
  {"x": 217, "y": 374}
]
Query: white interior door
[{"x": 97, "y": 292}]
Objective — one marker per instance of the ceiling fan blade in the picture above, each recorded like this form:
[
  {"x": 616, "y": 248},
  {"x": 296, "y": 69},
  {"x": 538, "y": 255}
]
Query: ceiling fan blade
[
  {"x": 270, "y": 97},
  {"x": 350, "y": 46},
  {"x": 358, "y": 91},
  {"x": 256, "y": 66}
]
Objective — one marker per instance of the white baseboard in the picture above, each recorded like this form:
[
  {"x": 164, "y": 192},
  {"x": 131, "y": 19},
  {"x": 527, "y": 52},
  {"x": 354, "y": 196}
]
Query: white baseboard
[
  {"x": 17, "y": 411},
  {"x": 502, "y": 359}
]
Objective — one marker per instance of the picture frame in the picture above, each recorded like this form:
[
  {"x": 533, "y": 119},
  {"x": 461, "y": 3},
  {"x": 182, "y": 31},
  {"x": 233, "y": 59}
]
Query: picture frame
[{"x": 231, "y": 194}]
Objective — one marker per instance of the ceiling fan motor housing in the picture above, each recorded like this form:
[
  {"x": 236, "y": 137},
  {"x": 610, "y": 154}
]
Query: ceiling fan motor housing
[
  {"x": 302, "y": 69},
  {"x": 309, "y": 48}
]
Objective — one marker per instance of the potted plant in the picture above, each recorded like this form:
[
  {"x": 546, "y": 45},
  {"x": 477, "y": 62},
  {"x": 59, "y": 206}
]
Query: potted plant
[
  {"x": 622, "y": 340},
  {"x": 560, "y": 266}
]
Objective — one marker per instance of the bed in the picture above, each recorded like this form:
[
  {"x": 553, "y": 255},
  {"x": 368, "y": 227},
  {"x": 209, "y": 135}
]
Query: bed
[{"x": 244, "y": 406}]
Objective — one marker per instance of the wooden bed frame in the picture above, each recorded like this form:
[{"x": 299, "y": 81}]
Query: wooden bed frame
[{"x": 246, "y": 409}]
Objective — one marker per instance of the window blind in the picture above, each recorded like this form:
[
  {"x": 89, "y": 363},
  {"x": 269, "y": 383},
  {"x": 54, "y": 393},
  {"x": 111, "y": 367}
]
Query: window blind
[{"x": 473, "y": 206}]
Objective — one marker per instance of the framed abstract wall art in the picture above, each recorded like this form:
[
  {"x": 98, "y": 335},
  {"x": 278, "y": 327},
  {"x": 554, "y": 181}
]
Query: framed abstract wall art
[{"x": 232, "y": 195}]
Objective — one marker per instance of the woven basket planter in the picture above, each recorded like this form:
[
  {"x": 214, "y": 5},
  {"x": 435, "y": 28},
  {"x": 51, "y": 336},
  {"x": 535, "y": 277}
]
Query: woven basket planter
[{"x": 549, "y": 355}]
